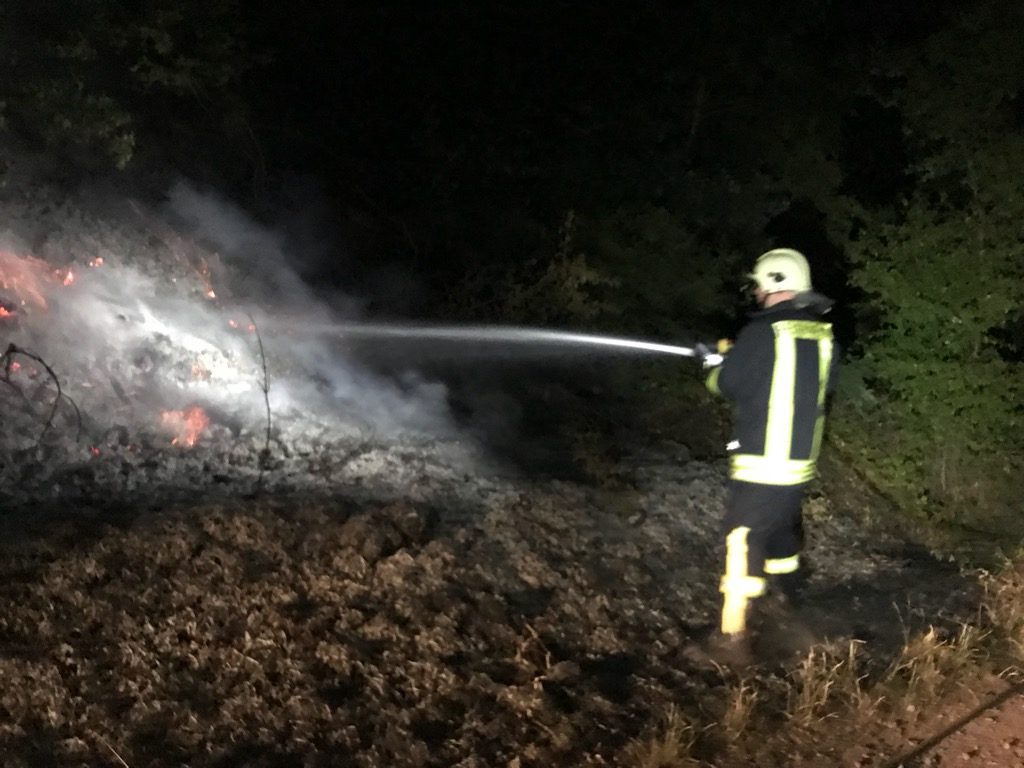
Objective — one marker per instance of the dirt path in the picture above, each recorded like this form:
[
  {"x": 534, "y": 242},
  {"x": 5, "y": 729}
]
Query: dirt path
[{"x": 980, "y": 724}]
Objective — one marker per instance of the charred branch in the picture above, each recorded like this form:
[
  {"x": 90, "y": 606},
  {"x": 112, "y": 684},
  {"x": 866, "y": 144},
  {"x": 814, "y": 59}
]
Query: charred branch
[
  {"x": 265, "y": 387},
  {"x": 8, "y": 362}
]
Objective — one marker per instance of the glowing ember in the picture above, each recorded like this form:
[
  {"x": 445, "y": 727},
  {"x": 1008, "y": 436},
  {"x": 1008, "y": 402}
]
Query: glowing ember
[
  {"x": 210, "y": 294},
  {"x": 233, "y": 323},
  {"x": 94, "y": 450},
  {"x": 4, "y": 312},
  {"x": 97, "y": 262},
  {"x": 69, "y": 278},
  {"x": 186, "y": 425},
  {"x": 15, "y": 366}
]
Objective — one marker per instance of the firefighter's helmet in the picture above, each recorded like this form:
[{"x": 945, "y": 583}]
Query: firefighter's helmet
[{"x": 782, "y": 269}]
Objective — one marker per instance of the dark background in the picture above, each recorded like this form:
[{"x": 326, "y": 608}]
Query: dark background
[{"x": 447, "y": 139}]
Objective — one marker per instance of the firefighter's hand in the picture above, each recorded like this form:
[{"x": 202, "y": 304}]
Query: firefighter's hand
[{"x": 707, "y": 358}]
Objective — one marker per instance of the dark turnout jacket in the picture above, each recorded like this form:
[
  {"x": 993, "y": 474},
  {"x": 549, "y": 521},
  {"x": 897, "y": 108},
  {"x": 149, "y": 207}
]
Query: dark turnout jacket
[{"x": 778, "y": 374}]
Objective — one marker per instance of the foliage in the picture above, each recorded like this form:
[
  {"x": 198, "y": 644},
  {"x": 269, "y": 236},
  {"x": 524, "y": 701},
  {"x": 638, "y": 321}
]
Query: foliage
[
  {"x": 941, "y": 278},
  {"x": 90, "y": 74},
  {"x": 947, "y": 418},
  {"x": 670, "y": 277},
  {"x": 563, "y": 289}
]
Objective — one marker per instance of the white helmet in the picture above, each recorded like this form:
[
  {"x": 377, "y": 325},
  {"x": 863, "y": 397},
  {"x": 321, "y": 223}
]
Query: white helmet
[{"x": 782, "y": 269}]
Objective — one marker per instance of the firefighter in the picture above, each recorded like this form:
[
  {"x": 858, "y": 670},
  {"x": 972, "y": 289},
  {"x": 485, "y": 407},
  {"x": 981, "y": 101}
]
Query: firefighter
[{"x": 777, "y": 375}]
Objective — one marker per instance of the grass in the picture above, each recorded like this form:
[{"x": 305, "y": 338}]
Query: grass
[
  {"x": 1003, "y": 607},
  {"x": 670, "y": 747},
  {"x": 830, "y": 699},
  {"x": 827, "y": 683},
  {"x": 739, "y": 712},
  {"x": 929, "y": 662}
]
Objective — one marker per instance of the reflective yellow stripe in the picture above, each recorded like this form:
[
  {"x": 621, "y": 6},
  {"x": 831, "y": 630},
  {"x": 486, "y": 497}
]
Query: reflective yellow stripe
[
  {"x": 712, "y": 381},
  {"x": 768, "y": 470},
  {"x": 737, "y": 586},
  {"x": 737, "y": 580},
  {"x": 779, "y": 430},
  {"x": 734, "y": 614},
  {"x": 824, "y": 363},
  {"x": 814, "y": 330},
  {"x": 779, "y": 565}
]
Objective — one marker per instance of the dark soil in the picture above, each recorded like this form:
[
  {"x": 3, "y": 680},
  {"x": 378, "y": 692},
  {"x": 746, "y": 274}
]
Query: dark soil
[{"x": 427, "y": 617}]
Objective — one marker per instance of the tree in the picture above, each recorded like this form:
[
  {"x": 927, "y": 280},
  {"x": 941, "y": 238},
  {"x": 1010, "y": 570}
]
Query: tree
[
  {"x": 944, "y": 274},
  {"x": 88, "y": 76}
]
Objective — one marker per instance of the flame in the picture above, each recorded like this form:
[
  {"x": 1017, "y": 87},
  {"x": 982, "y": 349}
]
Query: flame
[
  {"x": 69, "y": 278},
  {"x": 97, "y": 262},
  {"x": 5, "y": 312},
  {"x": 233, "y": 323},
  {"x": 186, "y": 425},
  {"x": 15, "y": 366},
  {"x": 94, "y": 450},
  {"x": 24, "y": 276}
]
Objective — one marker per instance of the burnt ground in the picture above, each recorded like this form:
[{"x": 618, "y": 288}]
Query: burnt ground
[{"x": 414, "y": 606}]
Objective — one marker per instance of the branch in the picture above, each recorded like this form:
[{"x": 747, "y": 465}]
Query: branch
[
  {"x": 120, "y": 760},
  {"x": 8, "y": 359},
  {"x": 265, "y": 453}
]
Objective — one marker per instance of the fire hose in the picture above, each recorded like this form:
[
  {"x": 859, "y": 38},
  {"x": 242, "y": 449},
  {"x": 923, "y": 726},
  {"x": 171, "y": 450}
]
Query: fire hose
[{"x": 520, "y": 335}]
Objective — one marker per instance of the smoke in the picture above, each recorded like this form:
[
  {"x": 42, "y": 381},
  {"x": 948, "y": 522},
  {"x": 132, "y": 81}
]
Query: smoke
[
  {"x": 144, "y": 310},
  {"x": 309, "y": 365}
]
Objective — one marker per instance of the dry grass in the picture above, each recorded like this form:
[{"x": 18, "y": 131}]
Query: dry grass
[
  {"x": 929, "y": 663},
  {"x": 671, "y": 747},
  {"x": 1003, "y": 605},
  {"x": 826, "y": 683},
  {"x": 739, "y": 711}
]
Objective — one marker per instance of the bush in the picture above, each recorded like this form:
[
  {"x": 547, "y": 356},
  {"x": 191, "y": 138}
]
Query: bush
[{"x": 931, "y": 406}]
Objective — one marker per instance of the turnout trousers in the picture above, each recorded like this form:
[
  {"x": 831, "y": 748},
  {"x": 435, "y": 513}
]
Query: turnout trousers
[{"x": 763, "y": 538}]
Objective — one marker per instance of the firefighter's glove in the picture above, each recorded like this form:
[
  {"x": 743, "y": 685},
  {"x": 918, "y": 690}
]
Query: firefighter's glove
[{"x": 706, "y": 357}]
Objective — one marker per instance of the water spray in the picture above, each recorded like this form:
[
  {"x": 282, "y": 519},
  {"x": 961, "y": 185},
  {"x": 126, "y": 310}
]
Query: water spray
[{"x": 491, "y": 334}]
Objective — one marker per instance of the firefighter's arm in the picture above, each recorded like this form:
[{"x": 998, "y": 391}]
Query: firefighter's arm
[{"x": 736, "y": 376}]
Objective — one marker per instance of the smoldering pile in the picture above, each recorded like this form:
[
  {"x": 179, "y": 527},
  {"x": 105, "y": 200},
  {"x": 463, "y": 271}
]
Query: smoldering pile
[{"x": 135, "y": 365}]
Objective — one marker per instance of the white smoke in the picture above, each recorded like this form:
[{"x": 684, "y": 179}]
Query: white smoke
[{"x": 150, "y": 310}]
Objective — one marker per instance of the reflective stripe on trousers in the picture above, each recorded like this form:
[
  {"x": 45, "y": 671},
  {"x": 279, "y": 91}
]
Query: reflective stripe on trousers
[
  {"x": 781, "y": 565},
  {"x": 767, "y": 470},
  {"x": 738, "y": 587}
]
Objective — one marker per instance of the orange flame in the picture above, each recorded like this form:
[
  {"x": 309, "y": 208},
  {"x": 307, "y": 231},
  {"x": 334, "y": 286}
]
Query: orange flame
[
  {"x": 5, "y": 312},
  {"x": 24, "y": 276},
  {"x": 186, "y": 425},
  {"x": 69, "y": 278},
  {"x": 97, "y": 262}
]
